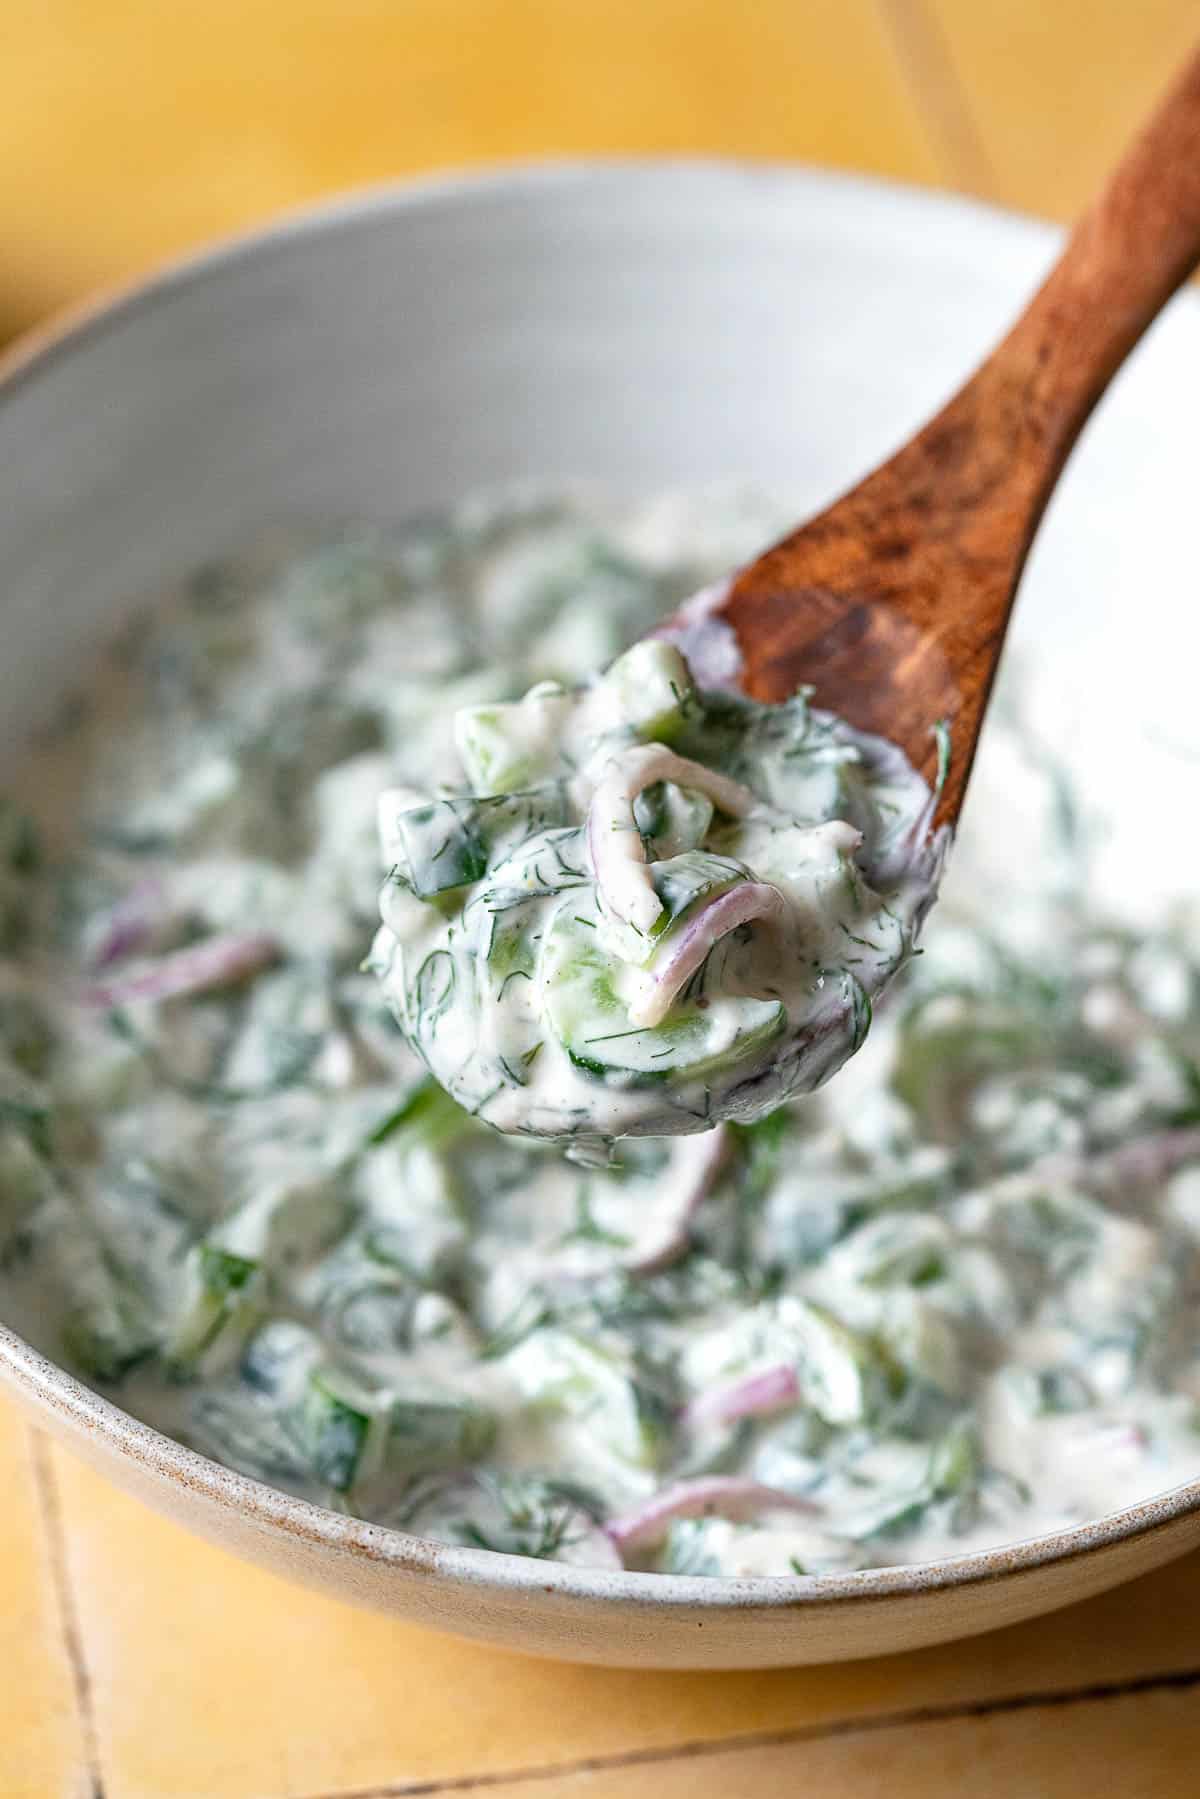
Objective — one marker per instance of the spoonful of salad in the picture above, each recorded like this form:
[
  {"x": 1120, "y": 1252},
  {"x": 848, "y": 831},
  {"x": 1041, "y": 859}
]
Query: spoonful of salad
[{"x": 668, "y": 898}]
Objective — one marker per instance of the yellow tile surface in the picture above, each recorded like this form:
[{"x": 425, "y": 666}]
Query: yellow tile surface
[
  {"x": 211, "y": 1677},
  {"x": 1142, "y": 1746},
  {"x": 41, "y": 1752},
  {"x": 139, "y": 128},
  {"x": 1053, "y": 87}
]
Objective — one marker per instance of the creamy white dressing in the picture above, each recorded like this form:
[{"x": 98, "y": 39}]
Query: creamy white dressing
[
  {"x": 644, "y": 909},
  {"x": 948, "y": 1301}
]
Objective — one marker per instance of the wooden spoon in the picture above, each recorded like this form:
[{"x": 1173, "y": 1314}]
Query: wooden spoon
[{"x": 893, "y": 603}]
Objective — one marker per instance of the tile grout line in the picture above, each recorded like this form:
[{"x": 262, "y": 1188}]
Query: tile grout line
[
  {"x": 927, "y": 68},
  {"x": 709, "y": 1748},
  {"x": 72, "y": 1633}
]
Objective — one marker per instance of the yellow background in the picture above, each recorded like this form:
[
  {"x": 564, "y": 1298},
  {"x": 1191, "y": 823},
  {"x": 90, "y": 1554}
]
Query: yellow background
[
  {"x": 139, "y": 1664},
  {"x": 132, "y": 129}
]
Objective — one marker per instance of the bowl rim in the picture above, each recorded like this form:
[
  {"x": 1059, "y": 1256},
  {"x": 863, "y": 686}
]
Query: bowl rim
[{"x": 55, "y": 1393}]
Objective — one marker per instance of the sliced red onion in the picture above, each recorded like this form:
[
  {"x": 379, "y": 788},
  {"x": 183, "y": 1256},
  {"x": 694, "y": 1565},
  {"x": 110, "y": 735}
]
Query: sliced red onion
[
  {"x": 708, "y": 642},
  {"x": 690, "y": 948},
  {"x": 132, "y": 924},
  {"x": 1138, "y": 1164},
  {"x": 614, "y": 841},
  {"x": 1149, "y": 1159},
  {"x": 772, "y": 1389},
  {"x": 217, "y": 962},
  {"x": 695, "y": 1164},
  {"x": 712, "y": 1496}
]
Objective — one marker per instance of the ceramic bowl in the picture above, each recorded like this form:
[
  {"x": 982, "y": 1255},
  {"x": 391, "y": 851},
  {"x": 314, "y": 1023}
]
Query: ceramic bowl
[{"x": 645, "y": 326}]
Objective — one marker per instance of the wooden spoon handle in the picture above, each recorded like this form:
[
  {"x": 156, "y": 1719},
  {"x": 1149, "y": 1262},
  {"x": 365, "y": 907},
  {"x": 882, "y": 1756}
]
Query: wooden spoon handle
[
  {"x": 1125, "y": 258},
  {"x": 999, "y": 447},
  {"x": 893, "y": 602}
]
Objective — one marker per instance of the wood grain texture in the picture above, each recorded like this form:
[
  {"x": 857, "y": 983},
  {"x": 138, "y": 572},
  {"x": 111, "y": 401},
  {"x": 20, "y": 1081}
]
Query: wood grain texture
[{"x": 893, "y": 602}]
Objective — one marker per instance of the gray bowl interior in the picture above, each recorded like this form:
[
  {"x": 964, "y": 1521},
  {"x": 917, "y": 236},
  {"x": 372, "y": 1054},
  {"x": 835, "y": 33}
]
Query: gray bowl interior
[{"x": 673, "y": 327}]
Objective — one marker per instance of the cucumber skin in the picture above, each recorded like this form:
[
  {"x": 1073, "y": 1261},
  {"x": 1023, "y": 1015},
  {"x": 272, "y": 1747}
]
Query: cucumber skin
[{"x": 452, "y": 843}]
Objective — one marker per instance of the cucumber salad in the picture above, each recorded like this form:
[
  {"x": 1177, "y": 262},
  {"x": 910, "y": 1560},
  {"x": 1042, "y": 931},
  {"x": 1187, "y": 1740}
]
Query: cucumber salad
[
  {"x": 648, "y": 909},
  {"x": 947, "y": 1301}
]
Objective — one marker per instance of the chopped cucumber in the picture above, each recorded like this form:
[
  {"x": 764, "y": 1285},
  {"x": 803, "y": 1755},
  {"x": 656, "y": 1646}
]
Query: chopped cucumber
[
  {"x": 923, "y": 1342},
  {"x": 699, "y": 1038},
  {"x": 288, "y": 1222},
  {"x": 220, "y": 1292},
  {"x": 955, "y": 1460},
  {"x": 452, "y": 843},
  {"x": 950, "y": 1043},
  {"x": 439, "y": 847},
  {"x": 278, "y": 1357},
  {"x": 415, "y": 1220},
  {"x": 228, "y": 1277},
  {"x": 899, "y": 1248},
  {"x": 350, "y": 1430},
  {"x": 25, "y": 1182},
  {"x": 506, "y": 823},
  {"x": 236, "y": 1428},
  {"x": 844, "y": 1375},
  {"x": 651, "y": 687},
  {"x": 508, "y": 746},
  {"x": 429, "y": 1432},
  {"x": 25, "y": 1107},
  {"x": 341, "y": 1426},
  {"x": 104, "y": 1336},
  {"x": 512, "y": 1514},
  {"x": 103, "y": 1323},
  {"x": 426, "y": 1115},
  {"x": 512, "y": 952},
  {"x": 404, "y": 917},
  {"x": 26, "y": 1035},
  {"x": 288, "y": 1018},
  {"x": 546, "y": 865},
  {"x": 374, "y": 1317},
  {"x": 671, "y": 819},
  {"x": 595, "y": 1384}
]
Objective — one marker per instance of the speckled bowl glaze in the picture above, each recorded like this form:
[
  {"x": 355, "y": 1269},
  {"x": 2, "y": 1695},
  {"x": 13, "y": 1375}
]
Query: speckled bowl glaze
[{"x": 643, "y": 325}]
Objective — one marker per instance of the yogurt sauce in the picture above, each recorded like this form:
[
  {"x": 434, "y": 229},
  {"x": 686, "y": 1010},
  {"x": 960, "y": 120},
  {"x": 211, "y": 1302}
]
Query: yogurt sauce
[
  {"x": 648, "y": 909},
  {"x": 946, "y": 1302}
]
